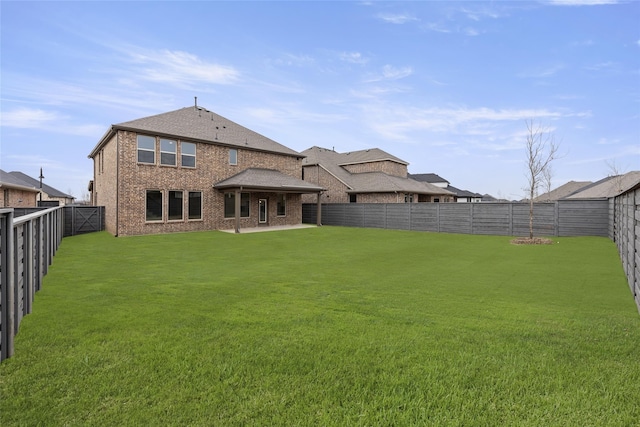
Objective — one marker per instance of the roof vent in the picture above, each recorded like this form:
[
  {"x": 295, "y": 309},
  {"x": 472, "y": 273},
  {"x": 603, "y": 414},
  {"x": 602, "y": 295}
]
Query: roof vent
[{"x": 195, "y": 100}]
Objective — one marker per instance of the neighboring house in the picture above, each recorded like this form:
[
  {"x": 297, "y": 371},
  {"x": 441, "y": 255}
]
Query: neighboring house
[
  {"x": 50, "y": 196},
  {"x": 16, "y": 193},
  {"x": 459, "y": 196},
  {"x": 610, "y": 186},
  {"x": 191, "y": 170},
  {"x": 365, "y": 176},
  {"x": 563, "y": 191}
]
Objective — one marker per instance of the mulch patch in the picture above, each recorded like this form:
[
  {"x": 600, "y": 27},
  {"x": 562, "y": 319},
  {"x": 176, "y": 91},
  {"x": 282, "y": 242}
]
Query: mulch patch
[{"x": 534, "y": 241}]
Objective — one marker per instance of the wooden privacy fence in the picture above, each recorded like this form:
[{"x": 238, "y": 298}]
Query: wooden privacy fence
[
  {"x": 626, "y": 234},
  {"x": 27, "y": 246},
  {"x": 561, "y": 218},
  {"x": 78, "y": 219}
]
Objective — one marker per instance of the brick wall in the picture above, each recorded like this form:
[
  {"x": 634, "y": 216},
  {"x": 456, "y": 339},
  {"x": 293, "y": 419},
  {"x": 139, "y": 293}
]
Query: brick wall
[
  {"x": 212, "y": 165},
  {"x": 14, "y": 198},
  {"x": 336, "y": 191},
  {"x": 388, "y": 167}
]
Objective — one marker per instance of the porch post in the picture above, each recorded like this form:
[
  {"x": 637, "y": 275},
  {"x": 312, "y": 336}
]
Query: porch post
[
  {"x": 319, "y": 210},
  {"x": 237, "y": 211}
]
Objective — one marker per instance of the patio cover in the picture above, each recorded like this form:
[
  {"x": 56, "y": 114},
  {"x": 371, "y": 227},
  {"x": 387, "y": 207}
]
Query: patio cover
[{"x": 266, "y": 180}]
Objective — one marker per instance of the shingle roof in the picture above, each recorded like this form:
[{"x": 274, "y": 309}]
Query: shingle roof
[
  {"x": 608, "y": 187},
  {"x": 52, "y": 192},
  {"x": 266, "y": 179},
  {"x": 370, "y": 182},
  {"x": 427, "y": 177},
  {"x": 11, "y": 181},
  {"x": 462, "y": 193},
  {"x": 564, "y": 190},
  {"x": 380, "y": 182},
  {"x": 199, "y": 124}
]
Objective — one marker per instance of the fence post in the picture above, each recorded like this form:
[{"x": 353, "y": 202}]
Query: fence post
[{"x": 7, "y": 332}]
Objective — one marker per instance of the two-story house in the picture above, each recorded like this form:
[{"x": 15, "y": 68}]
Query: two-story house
[
  {"x": 365, "y": 176},
  {"x": 192, "y": 170}
]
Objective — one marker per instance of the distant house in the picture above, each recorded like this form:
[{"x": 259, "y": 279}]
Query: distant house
[
  {"x": 50, "y": 196},
  {"x": 191, "y": 169},
  {"x": 563, "y": 191},
  {"x": 459, "y": 196},
  {"x": 17, "y": 193},
  {"x": 610, "y": 186},
  {"x": 365, "y": 176}
]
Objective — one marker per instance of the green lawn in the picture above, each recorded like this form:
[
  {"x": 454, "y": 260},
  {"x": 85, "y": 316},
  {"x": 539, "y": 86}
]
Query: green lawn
[{"x": 327, "y": 326}]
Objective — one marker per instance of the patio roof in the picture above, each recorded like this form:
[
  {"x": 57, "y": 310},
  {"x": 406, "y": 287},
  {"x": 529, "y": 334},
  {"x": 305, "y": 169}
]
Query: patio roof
[{"x": 269, "y": 180}]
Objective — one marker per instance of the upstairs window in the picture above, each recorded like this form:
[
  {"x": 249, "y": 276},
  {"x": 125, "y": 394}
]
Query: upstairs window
[
  {"x": 167, "y": 152},
  {"x": 188, "y": 154},
  {"x": 146, "y": 149},
  {"x": 233, "y": 156}
]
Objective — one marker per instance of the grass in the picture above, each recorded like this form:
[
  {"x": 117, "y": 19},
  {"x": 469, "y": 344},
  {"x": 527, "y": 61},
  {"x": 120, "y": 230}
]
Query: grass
[{"x": 327, "y": 326}]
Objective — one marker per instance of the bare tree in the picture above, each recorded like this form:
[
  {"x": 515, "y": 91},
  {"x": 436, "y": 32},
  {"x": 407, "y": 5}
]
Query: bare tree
[
  {"x": 541, "y": 151},
  {"x": 616, "y": 175},
  {"x": 547, "y": 176}
]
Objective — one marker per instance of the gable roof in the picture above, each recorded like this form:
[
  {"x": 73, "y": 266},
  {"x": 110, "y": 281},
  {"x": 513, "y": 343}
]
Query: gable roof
[
  {"x": 52, "y": 192},
  {"x": 380, "y": 182},
  {"x": 463, "y": 193},
  {"x": 563, "y": 191},
  {"x": 610, "y": 186},
  {"x": 9, "y": 180},
  {"x": 266, "y": 179},
  {"x": 198, "y": 124},
  {"x": 368, "y": 182}
]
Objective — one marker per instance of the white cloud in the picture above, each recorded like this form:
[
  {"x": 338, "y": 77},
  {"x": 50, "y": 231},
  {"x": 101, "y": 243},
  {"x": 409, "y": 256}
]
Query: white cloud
[
  {"x": 353, "y": 57},
  {"x": 390, "y": 72},
  {"x": 51, "y": 121},
  {"x": 181, "y": 68},
  {"x": 397, "y": 18},
  {"x": 29, "y": 118}
]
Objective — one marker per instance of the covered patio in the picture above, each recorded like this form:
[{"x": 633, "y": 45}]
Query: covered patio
[{"x": 265, "y": 181}]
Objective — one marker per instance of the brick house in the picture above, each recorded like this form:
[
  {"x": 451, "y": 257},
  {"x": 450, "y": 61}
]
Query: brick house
[
  {"x": 365, "y": 176},
  {"x": 17, "y": 193},
  {"x": 193, "y": 170},
  {"x": 49, "y": 196}
]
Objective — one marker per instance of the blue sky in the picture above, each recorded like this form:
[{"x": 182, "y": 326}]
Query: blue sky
[{"x": 446, "y": 86}]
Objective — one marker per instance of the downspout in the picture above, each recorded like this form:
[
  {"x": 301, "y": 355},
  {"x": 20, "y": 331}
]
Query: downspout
[{"x": 117, "y": 182}]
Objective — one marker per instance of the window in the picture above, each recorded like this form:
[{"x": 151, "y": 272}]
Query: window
[
  {"x": 167, "y": 152},
  {"x": 195, "y": 205},
  {"x": 175, "y": 205},
  {"x": 352, "y": 198},
  {"x": 146, "y": 149},
  {"x": 233, "y": 156},
  {"x": 188, "y": 154},
  {"x": 230, "y": 205},
  {"x": 282, "y": 205},
  {"x": 154, "y": 205},
  {"x": 408, "y": 198}
]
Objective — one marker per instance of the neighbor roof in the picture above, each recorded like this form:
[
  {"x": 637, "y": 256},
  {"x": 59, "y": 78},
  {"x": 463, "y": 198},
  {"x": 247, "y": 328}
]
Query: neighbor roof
[
  {"x": 199, "y": 124},
  {"x": 608, "y": 187},
  {"x": 462, "y": 193},
  {"x": 563, "y": 191},
  {"x": 266, "y": 179},
  {"x": 380, "y": 182},
  {"x": 9, "y": 180},
  {"x": 369, "y": 182},
  {"x": 52, "y": 192},
  {"x": 427, "y": 177}
]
